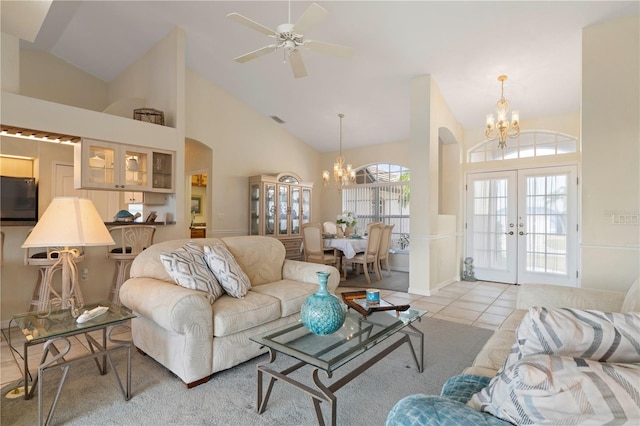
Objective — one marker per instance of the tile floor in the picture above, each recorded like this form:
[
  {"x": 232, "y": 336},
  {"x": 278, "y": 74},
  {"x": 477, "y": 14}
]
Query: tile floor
[{"x": 480, "y": 304}]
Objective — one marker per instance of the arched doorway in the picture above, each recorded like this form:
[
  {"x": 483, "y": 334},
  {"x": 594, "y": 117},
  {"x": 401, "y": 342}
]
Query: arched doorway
[{"x": 198, "y": 188}]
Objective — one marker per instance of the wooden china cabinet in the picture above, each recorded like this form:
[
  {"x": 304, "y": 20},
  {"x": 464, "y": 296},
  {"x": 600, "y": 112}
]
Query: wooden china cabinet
[{"x": 278, "y": 206}]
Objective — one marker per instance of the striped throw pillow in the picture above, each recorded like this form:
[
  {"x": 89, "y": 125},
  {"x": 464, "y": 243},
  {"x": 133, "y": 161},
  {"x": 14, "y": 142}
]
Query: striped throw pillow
[
  {"x": 227, "y": 271},
  {"x": 601, "y": 336},
  {"x": 187, "y": 267},
  {"x": 552, "y": 390}
]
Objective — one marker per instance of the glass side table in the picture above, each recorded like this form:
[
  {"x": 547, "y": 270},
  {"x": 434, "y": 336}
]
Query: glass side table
[{"x": 54, "y": 329}]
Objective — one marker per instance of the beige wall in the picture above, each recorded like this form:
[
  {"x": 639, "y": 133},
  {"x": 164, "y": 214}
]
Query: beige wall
[
  {"x": 611, "y": 153},
  {"x": 47, "y": 77},
  {"x": 244, "y": 143}
]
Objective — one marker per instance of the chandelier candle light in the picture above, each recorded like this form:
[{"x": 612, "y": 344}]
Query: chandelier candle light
[
  {"x": 343, "y": 176},
  {"x": 503, "y": 128}
]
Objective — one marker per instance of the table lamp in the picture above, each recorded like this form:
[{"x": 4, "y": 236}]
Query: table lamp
[{"x": 69, "y": 222}]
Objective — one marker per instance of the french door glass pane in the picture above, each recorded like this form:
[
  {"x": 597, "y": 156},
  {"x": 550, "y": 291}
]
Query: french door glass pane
[
  {"x": 490, "y": 223},
  {"x": 546, "y": 225}
]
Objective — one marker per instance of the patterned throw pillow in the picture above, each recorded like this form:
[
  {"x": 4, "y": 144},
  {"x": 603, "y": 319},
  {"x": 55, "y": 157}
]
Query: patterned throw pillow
[
  {"x": 544, "y": 389},
  {"x": 187, "y": 267},
  {"x": 601, "y": 336},
  {"x": 227, "y": 271}
]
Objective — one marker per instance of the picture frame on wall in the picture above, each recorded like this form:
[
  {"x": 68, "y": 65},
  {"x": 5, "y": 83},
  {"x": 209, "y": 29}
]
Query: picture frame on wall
[{"x": 196, "y": 205}]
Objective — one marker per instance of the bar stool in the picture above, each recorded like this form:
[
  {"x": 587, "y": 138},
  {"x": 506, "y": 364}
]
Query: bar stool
[
  {"x": 130, "y": 241},
  {"x": 47, "y": 262}
]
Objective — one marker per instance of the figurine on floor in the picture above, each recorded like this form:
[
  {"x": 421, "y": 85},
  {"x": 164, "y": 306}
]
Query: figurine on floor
[{"x": 468, "y": 274}]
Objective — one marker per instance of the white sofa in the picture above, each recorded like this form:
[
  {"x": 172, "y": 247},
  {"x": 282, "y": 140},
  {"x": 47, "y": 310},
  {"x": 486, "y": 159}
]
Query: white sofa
[
  {"x": 463, "y": 396},
  {"x": 494, "y": 353},
  {"x": 193, "y": 338}
]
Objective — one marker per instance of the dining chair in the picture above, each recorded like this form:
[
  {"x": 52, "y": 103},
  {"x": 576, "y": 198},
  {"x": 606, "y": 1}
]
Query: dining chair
[
  {"x": 130, "y": 241},
  {"x": 314, "y": 250},
  {"x": 385, "y": 245},
  {"x": 370, "y": 256},
  {"x": 330, "y": 228}
]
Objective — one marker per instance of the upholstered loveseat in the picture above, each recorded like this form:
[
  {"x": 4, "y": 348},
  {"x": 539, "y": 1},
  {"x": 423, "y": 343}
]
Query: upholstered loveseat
[
  {"x": 462, "y": 396},
  {"x": 181, "y": 329}
]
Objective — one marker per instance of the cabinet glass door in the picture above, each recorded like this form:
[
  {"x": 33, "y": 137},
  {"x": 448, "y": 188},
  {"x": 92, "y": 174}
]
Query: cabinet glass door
[
  {"x": 102, "y": 163},
  {"x": 269, "y": 209},
  {"x": 254, "y": 210},
  {"x": 295, "y": 210},
  {"x": 162, "y": 171},
  {"x": 283, "y": 209},
  {"x": 135, "y": 168},
  {"x": 306, "y": 205}
]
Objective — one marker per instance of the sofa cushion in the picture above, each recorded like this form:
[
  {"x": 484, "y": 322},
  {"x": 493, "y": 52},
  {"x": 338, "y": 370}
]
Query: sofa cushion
[
  {"x": 631, "y": 301},
  {"x": 606, "y": 337},
  {"x": 226, "y": 270},
  {"x": 431, "y": 410},
  {"x": 291, "y": 294},
  {"x": 261, "y": 258},
  {"x": 187, "y": 267},
  {"x": 546, "y": 389},
  {"x": 231, "y": 315}
]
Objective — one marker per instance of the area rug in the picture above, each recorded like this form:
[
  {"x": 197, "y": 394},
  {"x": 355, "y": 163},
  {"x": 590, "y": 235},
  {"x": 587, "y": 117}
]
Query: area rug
[{"x": 229, "y": 398}]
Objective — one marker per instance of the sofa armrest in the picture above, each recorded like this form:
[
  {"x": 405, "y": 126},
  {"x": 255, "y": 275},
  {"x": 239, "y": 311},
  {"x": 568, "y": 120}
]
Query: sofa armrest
[
  {"x": 550, "y": 296},
  {"x": 172, "y": 307},
  {"x": 306, "y": 272}
]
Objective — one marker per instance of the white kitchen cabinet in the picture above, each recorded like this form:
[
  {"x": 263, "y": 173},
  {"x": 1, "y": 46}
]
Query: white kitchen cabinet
[{"x": 112, "y": 166}]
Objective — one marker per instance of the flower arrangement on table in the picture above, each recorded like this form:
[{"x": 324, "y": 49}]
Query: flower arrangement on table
[{"x": 347, "y": 219}]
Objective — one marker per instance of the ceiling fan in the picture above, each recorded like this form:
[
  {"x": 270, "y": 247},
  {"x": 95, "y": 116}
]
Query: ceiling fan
[{"x": 290, "y": 38}]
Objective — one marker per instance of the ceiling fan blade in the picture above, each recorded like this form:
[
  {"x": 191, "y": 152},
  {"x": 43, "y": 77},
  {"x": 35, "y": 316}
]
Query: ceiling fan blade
[
  {"x": 251, "y": 24},
  {"x": 297, "y": 65},
  {"x": 256, "y": 53},
  {"x": 314, "y": 14},
  {"x": 328, "y": 48}
]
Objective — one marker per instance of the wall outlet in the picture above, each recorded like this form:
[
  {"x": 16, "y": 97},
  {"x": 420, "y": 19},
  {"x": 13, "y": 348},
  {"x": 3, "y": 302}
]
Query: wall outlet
[{"x": 85, "y": 274}]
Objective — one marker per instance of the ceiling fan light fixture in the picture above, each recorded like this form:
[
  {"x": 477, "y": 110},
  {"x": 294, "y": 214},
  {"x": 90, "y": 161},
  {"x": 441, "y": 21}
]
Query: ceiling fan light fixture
[{"x": 289, "y": 37}]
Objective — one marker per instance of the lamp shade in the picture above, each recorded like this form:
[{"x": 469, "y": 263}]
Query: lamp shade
[{"x": 67, "y": 222}]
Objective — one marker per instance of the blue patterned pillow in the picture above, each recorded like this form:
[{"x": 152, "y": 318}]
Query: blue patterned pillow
[
  {"x": 187, "y": 267},
  {"x": 544, "y": 389},
  {"x": 227, "y": 271},
  {"x": 462, "y": 387},
  {"x": 431, "y": 410}
]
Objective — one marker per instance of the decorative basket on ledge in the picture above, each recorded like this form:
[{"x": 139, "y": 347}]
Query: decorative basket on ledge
[{"x": 149, "y": 115}]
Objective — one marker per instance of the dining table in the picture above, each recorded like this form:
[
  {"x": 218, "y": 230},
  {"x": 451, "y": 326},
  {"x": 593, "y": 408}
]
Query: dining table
[{"x": 347, "y": 245}]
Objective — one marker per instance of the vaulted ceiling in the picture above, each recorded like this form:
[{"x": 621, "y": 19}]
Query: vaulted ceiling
[{"x": 464, "y": 46}]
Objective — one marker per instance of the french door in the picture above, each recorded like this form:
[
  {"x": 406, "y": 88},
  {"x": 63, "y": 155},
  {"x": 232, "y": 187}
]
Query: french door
[{"x": 521, "y": 225}]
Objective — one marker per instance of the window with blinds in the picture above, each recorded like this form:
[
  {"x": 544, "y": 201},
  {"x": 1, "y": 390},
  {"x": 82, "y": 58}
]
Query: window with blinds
[{"x": 381, "y": 194}]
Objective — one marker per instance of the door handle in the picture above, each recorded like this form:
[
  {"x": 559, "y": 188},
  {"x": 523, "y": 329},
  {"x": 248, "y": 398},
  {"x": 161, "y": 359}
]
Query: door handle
[
  {"x": 509, "y": 233},
  {"x": 523, "y": 233}
]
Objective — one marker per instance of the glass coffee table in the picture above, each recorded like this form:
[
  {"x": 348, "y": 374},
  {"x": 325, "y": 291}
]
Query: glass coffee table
[
  {"x": 53, "y": 329},
  {"x": 356, "y": 337}
]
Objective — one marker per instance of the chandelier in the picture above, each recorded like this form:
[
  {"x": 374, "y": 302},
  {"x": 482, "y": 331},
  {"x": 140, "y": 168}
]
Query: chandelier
[
  {"x": 343, "y": 176},
  {"x": 503, "y": 128}
]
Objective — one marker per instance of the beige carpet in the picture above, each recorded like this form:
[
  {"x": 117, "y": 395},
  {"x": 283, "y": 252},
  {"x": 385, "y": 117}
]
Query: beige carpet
[{"x": 229, "y": 398}]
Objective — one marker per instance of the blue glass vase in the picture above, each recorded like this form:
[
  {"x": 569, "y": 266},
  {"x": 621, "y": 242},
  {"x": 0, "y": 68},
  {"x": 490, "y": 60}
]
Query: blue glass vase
[{"x": 323, "y": 313}]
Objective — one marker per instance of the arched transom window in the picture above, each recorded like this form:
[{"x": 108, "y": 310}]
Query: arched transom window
[{"x": 530, "y": 143}]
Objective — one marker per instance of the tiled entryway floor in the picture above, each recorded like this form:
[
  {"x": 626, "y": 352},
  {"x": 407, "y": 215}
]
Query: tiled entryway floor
[{"x": 481, "y": 304}]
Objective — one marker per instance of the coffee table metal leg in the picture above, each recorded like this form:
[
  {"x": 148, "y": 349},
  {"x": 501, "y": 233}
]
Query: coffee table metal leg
[{"x": 262, "y": 404}]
